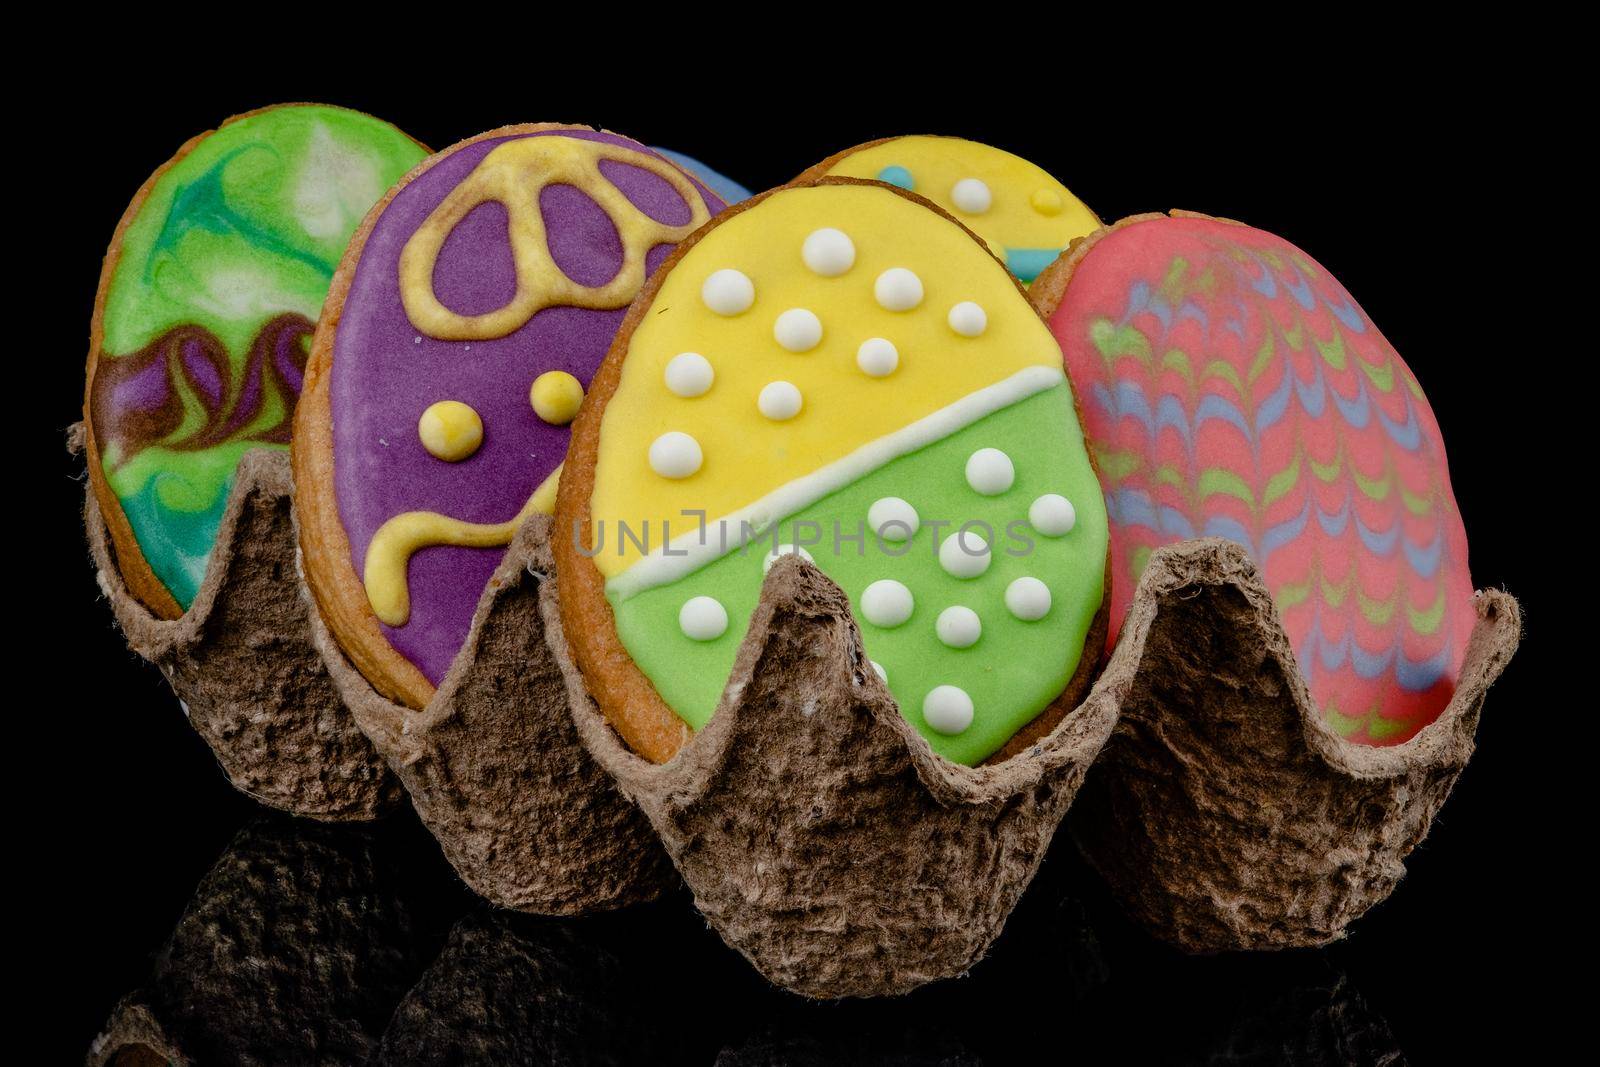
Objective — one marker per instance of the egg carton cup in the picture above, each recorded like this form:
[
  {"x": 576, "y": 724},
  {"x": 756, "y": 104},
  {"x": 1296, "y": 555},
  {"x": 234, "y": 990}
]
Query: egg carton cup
[
  {"x": 242, "y": 662},
  {"x": 493, "y": 764},
  {"x": 821, "y": 836},
  {"x": 1224, "y": 814}
]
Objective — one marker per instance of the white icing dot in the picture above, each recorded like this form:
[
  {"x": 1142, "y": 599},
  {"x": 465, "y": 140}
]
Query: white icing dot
[
  {"x": 989, "y": 471},
  {"x": 968, "y": 319},
  {"x": 964, "y": 554},
  {"x": 785, "y": 550},
  {"x": 703, "y": 618},
  {"x": 1053, "y": 515},
  {"x": 947, "y": 709},
  {"x": 878, "y": 667},
  {"x": 798, "y": 330},
  {"x": 779, "y": 401},
  {"x": 958, "y": 627},
  {"x": 877, "y": 357},
  {"x": 675, "y": 455},
  {"x": 689, "y": 374},
  {"x": 897, "y": 289},
  {"x": 893, "y": 519},
  {"x": 1028, "y": 599},
  {"x": 971, "y": 196},
  {"x": 828, "y": 252},
  {"x": 886, "y": 603},
  {"x": 728, "y": 292}
]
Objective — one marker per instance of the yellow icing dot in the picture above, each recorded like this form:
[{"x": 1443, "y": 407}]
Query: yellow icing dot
[
  {"x": 1046, "y": 201},
  {"x": 450, "y": 430},
  {"x": 556, "y": 397}
]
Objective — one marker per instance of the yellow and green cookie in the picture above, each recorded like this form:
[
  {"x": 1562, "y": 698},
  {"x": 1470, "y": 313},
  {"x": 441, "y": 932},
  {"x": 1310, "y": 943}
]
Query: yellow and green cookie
[
  {"x": 836, "y": 368},
  {"x": 1023, "y": 214}
]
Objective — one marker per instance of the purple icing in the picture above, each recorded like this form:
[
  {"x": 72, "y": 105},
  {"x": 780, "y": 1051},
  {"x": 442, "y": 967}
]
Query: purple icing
[
  {"x": 146, "y": 390},
  {"x": 474, "y": 273},
  {"x": 647, "y": 191},
  {"x": 385, "y": 372},
  {"x": 289, "y": 356},
  {"x": 202, "y": 373},
  {"x": 249, "y": 398},
  {"x": 587, "y": 247}
]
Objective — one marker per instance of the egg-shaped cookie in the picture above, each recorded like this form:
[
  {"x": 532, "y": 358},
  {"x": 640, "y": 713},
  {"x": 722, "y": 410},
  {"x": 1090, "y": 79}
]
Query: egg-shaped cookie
[
  {"x": 840, "y": 370},
  {"x": 1233, "y": 388},
  {"x": 207, "y": 300},
  {"x": 1025, "y": 216},
  {"x": 462, "y": 331}
]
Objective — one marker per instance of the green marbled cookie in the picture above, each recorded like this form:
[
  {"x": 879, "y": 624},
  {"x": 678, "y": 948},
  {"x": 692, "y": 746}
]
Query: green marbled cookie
[{"x": 206, "y": 307}]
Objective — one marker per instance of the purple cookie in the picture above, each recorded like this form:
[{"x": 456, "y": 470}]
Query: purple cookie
[{"x": 501, "y": 261}]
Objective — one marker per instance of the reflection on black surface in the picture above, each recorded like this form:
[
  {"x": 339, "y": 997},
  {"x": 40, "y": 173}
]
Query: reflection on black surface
[
  {"x": 511, "y": 989},
  {"x": 314, "y": 944},
  {"x": 855, "y": 1046},
  {"x": 1317, "y": 1016},
  {"x": 293, "y": 949}
]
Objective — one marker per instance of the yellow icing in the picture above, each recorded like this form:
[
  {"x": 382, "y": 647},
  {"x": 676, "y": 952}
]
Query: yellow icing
[
  {"x": 450, "y": 430},
  {"x": 746, "y": 455},
  {"x": 1030, "y": 209},
  {"x": 514, "y": 174},
  {"x": 389, "y": 553},
  {"x": 556, "y": 397},
  {"x": 1046, "y": 201}
]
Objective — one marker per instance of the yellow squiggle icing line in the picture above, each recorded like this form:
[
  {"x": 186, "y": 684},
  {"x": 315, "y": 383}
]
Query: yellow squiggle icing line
[
  {"x": 389, "y": 554},
  {"x": 514, "y": 174},
  {"x": 689, "y": 552}
]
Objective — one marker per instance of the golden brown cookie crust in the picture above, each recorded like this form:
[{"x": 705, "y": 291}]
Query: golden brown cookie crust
[
  {"x": 628, "y": 698},
  {"x": 136, "y": 572},
  {"x": 337, "y": 588}
]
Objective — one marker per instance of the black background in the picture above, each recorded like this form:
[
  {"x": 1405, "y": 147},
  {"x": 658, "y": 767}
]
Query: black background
[{"x": 1405, "y": 193}]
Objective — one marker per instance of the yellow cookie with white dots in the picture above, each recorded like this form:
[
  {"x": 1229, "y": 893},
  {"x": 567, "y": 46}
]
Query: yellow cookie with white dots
[
  {"x": 840, "y": 370},
  {"x": 1025, "y": 216}
]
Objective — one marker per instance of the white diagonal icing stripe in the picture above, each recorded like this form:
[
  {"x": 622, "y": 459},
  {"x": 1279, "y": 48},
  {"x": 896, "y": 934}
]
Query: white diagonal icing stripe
[{"x": 688, "y": 552}]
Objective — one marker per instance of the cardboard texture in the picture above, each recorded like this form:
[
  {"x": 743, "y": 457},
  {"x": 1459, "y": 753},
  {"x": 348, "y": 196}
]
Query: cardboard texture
[
  {"x": 295, "y": 948},
  {"x": 1224, "y": 814},
  {"x": 493, "y": 764},
  {"x": 821, "y": 836},
  {"x": 242, "y": 662}
]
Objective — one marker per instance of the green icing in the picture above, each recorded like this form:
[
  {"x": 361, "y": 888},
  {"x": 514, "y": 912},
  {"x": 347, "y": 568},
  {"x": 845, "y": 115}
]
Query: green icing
[
  {"x": 237, "y": 240},
  {"x": 177, "y": 500},
  {"x": 251, "y": 223},
  {"x": 1014, "y": 670}
]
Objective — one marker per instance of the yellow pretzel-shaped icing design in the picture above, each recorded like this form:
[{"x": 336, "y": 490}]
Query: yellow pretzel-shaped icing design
[{"x": 514, "y": 174}]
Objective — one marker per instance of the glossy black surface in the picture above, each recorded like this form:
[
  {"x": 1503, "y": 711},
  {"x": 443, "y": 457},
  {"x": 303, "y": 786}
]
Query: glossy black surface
[{"x": 1394, "y": 189}]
